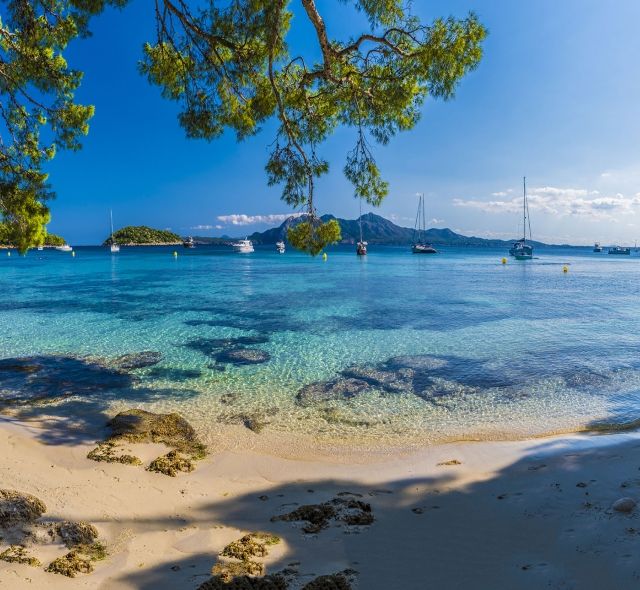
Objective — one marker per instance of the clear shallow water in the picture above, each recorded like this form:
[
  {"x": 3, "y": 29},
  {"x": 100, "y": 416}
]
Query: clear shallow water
[{"x": 487, "y": 351}]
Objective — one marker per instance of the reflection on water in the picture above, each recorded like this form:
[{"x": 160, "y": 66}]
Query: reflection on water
[{"x": 384, "y": 348}]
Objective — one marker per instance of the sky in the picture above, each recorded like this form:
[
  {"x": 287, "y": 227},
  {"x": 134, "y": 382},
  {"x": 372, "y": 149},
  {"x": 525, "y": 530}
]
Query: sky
[{"x": 556, "y": 98}]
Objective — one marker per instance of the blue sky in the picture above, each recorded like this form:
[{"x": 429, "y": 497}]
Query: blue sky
[{"x": 556, "y": 98}]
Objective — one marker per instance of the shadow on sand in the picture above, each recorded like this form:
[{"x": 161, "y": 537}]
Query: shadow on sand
[{"x": 544, "y": 521}]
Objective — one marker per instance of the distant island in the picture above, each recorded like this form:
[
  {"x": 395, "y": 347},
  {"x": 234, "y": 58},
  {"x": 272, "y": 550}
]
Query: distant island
[
  {"x": 141, "y": 235},
  {"x": 381, "y": 231}
]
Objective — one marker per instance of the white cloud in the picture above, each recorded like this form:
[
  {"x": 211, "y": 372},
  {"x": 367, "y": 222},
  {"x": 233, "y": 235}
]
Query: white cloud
[
  {"x": 242, "y": 219},
  {"x": 561, "y": 202},
  {"x": 435, "y": 221},
  {"x": 202, "y": 227}
]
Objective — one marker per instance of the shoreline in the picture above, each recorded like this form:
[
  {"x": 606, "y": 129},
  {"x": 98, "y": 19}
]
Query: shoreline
[{"x": 526, "y": 514}]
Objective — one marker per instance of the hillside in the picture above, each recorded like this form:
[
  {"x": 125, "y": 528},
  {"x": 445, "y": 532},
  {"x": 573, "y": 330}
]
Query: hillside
[
  {"x": 138, "y": 235},
  {"x": 378, "y": 230}
]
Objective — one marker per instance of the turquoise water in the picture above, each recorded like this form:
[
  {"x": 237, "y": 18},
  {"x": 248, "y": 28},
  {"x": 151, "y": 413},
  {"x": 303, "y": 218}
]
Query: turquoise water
[{"x": 400, "y": 347}]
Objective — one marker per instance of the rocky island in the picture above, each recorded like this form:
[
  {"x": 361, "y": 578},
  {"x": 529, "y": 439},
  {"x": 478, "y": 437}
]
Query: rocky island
[{"x": 141, "y": 235}]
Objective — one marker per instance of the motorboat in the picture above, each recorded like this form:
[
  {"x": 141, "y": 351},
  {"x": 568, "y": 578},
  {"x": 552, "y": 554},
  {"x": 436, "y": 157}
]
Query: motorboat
[
  {"x": 243, "y": 246},
  {"x": 189, "y": 243},
  {"x": 597, "y": 247},
  {"x": 64, "y": 248},
  {"x": 280, "y": 247},
  {"x": 620, "y": 250}
]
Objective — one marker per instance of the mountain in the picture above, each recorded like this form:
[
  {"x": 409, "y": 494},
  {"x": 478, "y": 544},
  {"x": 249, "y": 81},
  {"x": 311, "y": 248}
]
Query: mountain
[{"x": 378, "y": 230}]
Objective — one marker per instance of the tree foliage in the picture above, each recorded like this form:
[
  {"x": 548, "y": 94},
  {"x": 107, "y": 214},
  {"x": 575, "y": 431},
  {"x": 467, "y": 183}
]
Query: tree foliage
[
  {"x": 229, "y": 66},
  {"x": 38, "y": 114}
]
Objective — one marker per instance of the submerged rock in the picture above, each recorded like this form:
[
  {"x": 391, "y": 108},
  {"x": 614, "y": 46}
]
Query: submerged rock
[
  {"x": 624, "y": 505},
  {"x": 335, "y": 390},
  {"x": 390, "y": 381},
  {"x": 17, "y": 508},
  {"x": 255, "y": 422},
  {"x": 138, "y": 360},
  {"x": 243, "y": 356},
  {"x": 49, "y": 379}
]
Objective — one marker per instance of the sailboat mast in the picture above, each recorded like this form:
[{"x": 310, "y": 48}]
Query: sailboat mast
[
  {"x": 524, "y": 209},
  {"x": 424, "y": 223},
  {"x": 111, "y": 220}
]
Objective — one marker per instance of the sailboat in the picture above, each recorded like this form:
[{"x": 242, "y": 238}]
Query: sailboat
[
  {"x": 361, "y": 247},
  {"x": 114, "y": 247},
  {"x": 521, "y": 250},
  {"x": 420, "y": 245}
]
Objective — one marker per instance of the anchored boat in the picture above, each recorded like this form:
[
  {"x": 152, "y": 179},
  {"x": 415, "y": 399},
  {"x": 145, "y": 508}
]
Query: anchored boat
[
  {"x": 189, "y": 243},
  {"x": 361, "y": 247},
  {"x": 521, "y": 250},
  {"x": 243, "y": 246},
  {"x": 597, "y": 247},
  {"x": 420, "y": 244},
  {"x": 113, "y": 247},
  {"x": 280, "y": 247},
  {"x": 620, "y": 250}
]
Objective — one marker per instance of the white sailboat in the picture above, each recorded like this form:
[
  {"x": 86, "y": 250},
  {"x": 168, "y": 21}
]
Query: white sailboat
[
  {"x": 521, "y": 250},
  {"x": 64, "y": 248},
  {"x": 114, "y": 247},
  {"x": 361, "y": 248},
  {"x": 420, "y": 245}
]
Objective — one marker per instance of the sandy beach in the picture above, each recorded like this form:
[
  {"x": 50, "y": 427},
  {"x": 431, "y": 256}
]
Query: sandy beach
[{"x": 527, "y": 514}]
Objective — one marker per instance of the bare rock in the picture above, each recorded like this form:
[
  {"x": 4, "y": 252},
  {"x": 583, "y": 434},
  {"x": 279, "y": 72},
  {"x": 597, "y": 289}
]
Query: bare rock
[{"x": 624, "y": 505}]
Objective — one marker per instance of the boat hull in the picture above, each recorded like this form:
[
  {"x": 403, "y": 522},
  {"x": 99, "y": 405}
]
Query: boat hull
[{"x": 419, "y": 249}]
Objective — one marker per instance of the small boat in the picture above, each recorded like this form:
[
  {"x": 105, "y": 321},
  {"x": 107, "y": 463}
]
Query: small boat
[
  {"x": 243, "y": 246},
  {"x": 361, "y": 246},
  {"x": 280, "y": 247},
  {"x": 115, "y": 248},
  {"x": 189, "y": 243},
  {"x": 40, "y": 248},
  {"x": 420, "y": 245},
  {"x": 597, "y": 247},
  {"x": 64, "y": 248},
  {"x": 620, "y": 250},
  {"x": 521, "y": 250}
]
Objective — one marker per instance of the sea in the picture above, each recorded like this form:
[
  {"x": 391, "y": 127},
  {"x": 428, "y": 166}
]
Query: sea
[{"x": 388, "y": 349}]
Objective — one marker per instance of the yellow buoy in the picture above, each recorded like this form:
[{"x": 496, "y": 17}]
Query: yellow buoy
[
  {"x": 8, "y": 252},
  {"x": 175, "y": 253},
  {"x": 324, "y": 256},
  {"x": 565, "y": 268},
  {"x": 504, "y": 261},
  {"x": 73, "y": 253}
]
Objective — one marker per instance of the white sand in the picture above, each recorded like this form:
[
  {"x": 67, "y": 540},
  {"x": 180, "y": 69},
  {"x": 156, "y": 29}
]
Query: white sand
[{"x": 510, "y": 516}]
